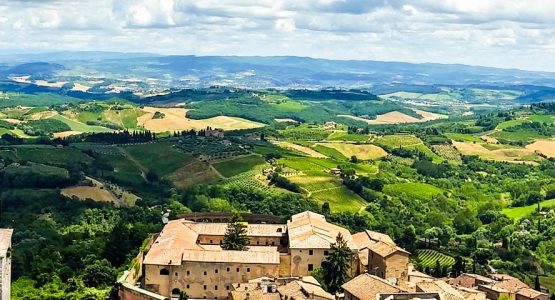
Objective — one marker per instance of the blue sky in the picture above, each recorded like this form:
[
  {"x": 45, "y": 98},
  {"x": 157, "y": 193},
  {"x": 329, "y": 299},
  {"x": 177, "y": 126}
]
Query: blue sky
[{"x": 500, "y": 33}]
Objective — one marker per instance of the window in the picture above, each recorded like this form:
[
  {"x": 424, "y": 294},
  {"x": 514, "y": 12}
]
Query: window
[
  {"x": 273, "y": 243},
  {"x": 237, "y": 269},
  {"x": 279, "y": 230},
  {"x": 187, "y": 286},
  {"x": 216, "y": 271},
  {"x": 310, "y": 252},
  {"x": 227, "y": 287},
  {"x": 205, "y": 287},
  {"x": 248, "y": 269},
  {"x": 228, "y": 269},
  {"x": 266, "y": 243},
  {"x": 216, "y": 287},
  {"x": 310, "y": 267},
  {"x": 326, "y": 252},
  {"x": 164, "y": 272},
  {"x": 188, "y": 272},
  {"x": 204, "y": 272},
  {"x": 211, "y": 242}
]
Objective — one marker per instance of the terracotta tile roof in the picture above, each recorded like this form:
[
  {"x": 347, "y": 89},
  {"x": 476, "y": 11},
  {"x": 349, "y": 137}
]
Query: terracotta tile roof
[
  {"x": 366, "y": 287},
  {"x": 178, "y": 242},
  {"x": 377, "y": 242},
  {"x": 385, "y": 250},
  {"x": 246, "y": 295},
  {"x": 303, "y": 289},
  {"x": 311, "y": 230},
  {"x": 471, "y": 294},
  {"x": 531, "y": 293},
  {"x": 445, "y": 291},
  {"x": 470, "y": 280},
  {"x": 511, "y": 285},
  {"x": 219, "y": 229},
  {"x": 5, "y": 241},
  {"x": 365, "y": 238}
]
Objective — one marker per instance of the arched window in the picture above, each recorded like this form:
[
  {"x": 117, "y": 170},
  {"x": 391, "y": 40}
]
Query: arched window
[
  {"x": 175, "y": 293},
  {"x": 164, "y": 272}
]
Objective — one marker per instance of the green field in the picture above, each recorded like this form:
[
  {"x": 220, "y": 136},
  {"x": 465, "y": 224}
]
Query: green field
[
  {"x": 548, "y": 119},
  {"x": 239, "y": 165},
  {"x": 49, "y": 155},
  {"x": 330, "y": 152},
  {"x": 422, "y": 191},
  {"x": 511, "y": 123},
  {"x": 161, "y": 158},
  {"x": 521, "y": 135},
  {"x": 519, "y": 212},
  {"x": 340, "y": 199},
  {"x": 78, "y": 126},
  {"x": 461, "y": 137},
  {"x": 398, "y": 140},
  {"x": 427, "y": 258},
  {"x": 344, "y": 136}
]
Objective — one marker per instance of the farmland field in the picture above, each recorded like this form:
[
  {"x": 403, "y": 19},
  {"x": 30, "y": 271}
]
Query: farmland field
[
  {"x": 505, "y": 153},
  {"x": 519, "y": 212},
  {"x": 427, "y": 258},
  {"x": 330, "y": 152},
  {"x": 161, "y": 158},
  {"x": 461, "y": 137},
  {"x": 341, "y": 199},
  {"x": 229, "y": 168},
  {"x": 545, "y": 147},
  {"x": 81, "y": 127},
  {"x": 396, "y": 141},
  {"x": 302, "y": 149},
  {"x": 344, "y": 136},
  {"x": 416, "y": 190},
  {"x": 448, "y": 152},
  {"x": 196, "y": 172},
  {"x": 363, "y": 151}
]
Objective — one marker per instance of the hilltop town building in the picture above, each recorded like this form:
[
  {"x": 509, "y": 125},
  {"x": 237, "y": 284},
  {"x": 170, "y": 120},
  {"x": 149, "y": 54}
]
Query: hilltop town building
[
  {"x": 187, "y": 256},
  {"x": 5, "y": 263}
]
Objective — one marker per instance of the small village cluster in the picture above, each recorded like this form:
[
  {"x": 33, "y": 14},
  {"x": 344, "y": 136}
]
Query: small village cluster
[{"x": 186, "y": 258}]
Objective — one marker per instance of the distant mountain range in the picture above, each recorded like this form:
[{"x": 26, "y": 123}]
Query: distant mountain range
[{"x": 158, "y": 72}]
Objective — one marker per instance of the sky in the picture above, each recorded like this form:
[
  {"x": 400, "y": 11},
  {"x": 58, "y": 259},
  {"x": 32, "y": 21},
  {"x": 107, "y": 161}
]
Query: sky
[{"x": 498, "y": 33}]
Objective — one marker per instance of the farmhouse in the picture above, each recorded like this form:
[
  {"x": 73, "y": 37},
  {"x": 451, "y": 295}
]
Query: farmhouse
[
  {"x": 5, "y": 262},
  {"x": 187, "y": 255},
  {"x": 214, "y": 133}
]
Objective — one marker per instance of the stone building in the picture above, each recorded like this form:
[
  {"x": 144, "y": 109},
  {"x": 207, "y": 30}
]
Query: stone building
[
  {"x": 380, "y": 256},
  {"x": 187, "y": 256},
  {"x": 5, "y": 263}
]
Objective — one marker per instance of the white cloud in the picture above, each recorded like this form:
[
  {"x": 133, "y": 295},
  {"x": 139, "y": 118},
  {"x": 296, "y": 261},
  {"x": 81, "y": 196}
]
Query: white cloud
[{"x": 503, "y": 33}]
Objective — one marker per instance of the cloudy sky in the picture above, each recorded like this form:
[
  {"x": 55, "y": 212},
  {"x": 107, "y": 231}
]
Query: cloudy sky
[{"x": 501, "y": 33}]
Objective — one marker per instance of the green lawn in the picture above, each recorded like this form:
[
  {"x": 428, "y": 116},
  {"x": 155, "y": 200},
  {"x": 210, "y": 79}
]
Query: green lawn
[
  {"x": 161, "y": 158},
  {"x": 422, "y": 191},
  {"x": 519, "y": 212},
  {"x": 239, "y": 165}
]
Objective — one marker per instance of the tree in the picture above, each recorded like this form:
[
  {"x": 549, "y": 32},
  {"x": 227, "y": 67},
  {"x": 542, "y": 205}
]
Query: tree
[
  {"x": 337, "y": 264},
  {"x": 437, "y": 270},
  {"x": 326, "y": 210},
  {"x": 183, "y": 296},
  {"x": 236, "y": 234},
  {"x": 99, "y": 273},
  {"x": 537, "y": 284},
  {"x": 354, "y": 159}
]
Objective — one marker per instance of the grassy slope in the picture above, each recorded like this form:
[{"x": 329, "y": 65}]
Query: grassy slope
[
  {"x": 236, "y": 166},
  {"x": 519, "y": 212},
  {"x": 161, "y": 158}
]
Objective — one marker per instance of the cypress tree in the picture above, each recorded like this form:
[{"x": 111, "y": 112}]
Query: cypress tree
[{"x": 236, "y": 234}]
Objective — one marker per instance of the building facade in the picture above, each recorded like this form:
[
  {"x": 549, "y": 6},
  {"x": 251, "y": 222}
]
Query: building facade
[
  {"x": 5, "y": 263},
  {"x": 187, "y": 256}
]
